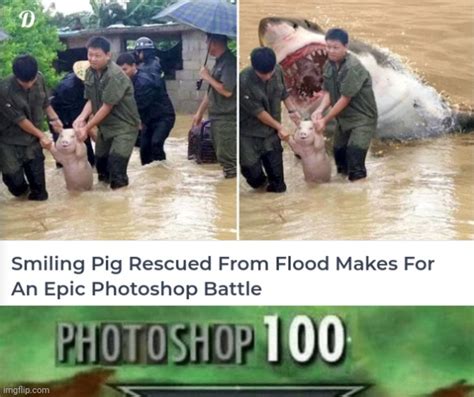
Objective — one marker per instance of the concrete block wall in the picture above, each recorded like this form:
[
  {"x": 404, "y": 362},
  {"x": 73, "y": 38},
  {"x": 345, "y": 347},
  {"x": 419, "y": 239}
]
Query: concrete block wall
[{"x": 182, "y": 91}]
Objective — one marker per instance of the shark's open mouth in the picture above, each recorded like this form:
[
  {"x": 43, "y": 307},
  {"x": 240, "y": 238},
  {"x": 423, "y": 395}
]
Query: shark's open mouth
[{"x": 303, "y": 70}]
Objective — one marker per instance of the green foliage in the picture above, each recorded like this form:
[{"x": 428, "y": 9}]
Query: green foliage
[
  {"x": 75, "y": 21},
  {"x": 232, "y": 44},
  {"x": 140, "y": 12},
  {"x": 41, "y": 40},
  {"x": 136, "y": 13}
]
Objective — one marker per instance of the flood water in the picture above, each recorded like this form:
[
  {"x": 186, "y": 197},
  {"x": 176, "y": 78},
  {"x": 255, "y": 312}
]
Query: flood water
[
  {"x": 415, "y": 191},
  {"x": 173, "y": 200}
]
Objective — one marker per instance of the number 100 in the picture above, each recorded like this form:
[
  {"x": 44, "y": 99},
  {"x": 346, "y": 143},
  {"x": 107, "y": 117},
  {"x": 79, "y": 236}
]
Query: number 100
[{"x": 306, "y": 339}]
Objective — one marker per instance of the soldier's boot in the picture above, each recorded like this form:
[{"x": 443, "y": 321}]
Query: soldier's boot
[
  {"x": 273, "y": 164},
  {"x": 34, "y": 171},
  {"x": 356, "y": 163},
  {"x": 102, "y": 166},
  {"x": 340, "y": 158},
  {"x": 230, "y": 172},
  {"x": 16, "y": 183},
  {"x": 254, "y": 175},
  {"x": 118, "y": 171}
]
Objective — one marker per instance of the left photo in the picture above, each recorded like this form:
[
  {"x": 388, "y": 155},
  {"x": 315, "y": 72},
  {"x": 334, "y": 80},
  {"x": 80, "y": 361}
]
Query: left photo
[{"x": 118, "y": 120}]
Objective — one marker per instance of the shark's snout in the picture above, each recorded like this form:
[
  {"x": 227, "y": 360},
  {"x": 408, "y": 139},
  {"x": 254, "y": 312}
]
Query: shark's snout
[{"x": 301, "y": 52}]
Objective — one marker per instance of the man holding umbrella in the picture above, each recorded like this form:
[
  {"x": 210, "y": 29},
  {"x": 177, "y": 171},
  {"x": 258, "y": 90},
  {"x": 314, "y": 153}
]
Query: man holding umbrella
[
  {"x": 220, "y": 102},
  {"x": 218, "y": 18}
]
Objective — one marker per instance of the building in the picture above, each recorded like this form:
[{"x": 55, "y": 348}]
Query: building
[{"x": 181, "y": 60}]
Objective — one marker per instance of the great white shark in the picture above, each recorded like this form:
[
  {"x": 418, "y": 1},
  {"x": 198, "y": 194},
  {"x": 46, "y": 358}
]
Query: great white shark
[{"x": 408, "y": 108}]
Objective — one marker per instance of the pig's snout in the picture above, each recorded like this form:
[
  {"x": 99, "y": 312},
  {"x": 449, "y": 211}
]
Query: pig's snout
[{"x": 303, "y": 134}]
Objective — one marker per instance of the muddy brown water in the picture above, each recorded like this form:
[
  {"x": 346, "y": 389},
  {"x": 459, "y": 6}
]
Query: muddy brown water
[
  {"x": 176, "y": 200},
  {"x": 415, "y": 191}
]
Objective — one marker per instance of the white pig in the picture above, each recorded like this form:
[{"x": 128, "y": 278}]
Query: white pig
[
  {"x": 309, "y": 145},
  {"x": 72, "y": 154}
]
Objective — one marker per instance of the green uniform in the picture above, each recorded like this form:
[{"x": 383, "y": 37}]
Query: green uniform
[
  {"x": 20, "y": 152},
  {"x": 119, "y": 130},
  {"x": 222, "y": 112},
  {"x": 260, "y": 145},
  {"x": 357, "y": 122}
]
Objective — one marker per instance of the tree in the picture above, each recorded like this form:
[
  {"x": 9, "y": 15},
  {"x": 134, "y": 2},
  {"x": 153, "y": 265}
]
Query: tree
[
  {"x": 135, "y": 12},
  {"x": 41, "y": 40}
]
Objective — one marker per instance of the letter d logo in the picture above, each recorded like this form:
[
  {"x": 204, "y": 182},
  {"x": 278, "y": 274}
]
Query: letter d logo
[{"x": 27, "y": 19}]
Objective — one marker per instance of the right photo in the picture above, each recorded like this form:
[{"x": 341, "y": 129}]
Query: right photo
[{"x": 356, "y": 120}]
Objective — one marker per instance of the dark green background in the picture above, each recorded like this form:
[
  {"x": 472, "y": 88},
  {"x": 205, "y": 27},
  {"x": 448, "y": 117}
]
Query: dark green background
[{"x": 403, "y": 351}]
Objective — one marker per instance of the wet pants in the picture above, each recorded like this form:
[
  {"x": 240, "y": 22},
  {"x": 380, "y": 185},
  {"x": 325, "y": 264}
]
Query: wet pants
[
  {"x": 18, "y": 161},
  {"x": 112, "y": 155},
  {"x": 350, "y": 150},
  {"x": 261, "y": 159},
  {"x": 152, "y": 139},
  {"x": 224, "y": 140}
]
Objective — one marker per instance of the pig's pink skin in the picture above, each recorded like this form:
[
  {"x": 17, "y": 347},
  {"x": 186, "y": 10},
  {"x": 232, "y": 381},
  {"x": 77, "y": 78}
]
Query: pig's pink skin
[
  {"x": 72, "y": 154},
  {"x": 309, "y": 145}
]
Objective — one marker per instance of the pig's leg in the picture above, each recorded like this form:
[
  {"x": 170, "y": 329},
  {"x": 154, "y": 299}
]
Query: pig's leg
[
  {"x": 293, "y": 144},
  {"x": 81, "y": 150},
  {"x": 57, "y": 155}
]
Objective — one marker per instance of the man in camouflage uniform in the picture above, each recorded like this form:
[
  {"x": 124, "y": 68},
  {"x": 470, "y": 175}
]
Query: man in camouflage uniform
[
  {"x": 221, "y": 104},
  {"x": 23, "y": 104},
  {"x": 262, "y": 89},
  {"x": 348, "y": 89},
  {"x": 109, "y": 93}
]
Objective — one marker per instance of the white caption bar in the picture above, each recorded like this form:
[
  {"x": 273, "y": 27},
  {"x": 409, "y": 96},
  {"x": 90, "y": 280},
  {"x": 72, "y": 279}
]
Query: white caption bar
[{"x": 236, "y": 273}]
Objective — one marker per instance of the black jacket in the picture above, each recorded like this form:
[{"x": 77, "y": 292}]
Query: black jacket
[{"x": 152, "y": 99}]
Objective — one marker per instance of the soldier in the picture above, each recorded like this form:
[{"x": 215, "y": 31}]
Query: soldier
[
  {"x": 262, "y": 89},
  {"x": 347, "y": 87},
  {"x": 23, "y": 104},
  {"x": 109, "y": 94},
  {"x": 220, "y": 103},
  {"x": 155, "y": 108}
]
